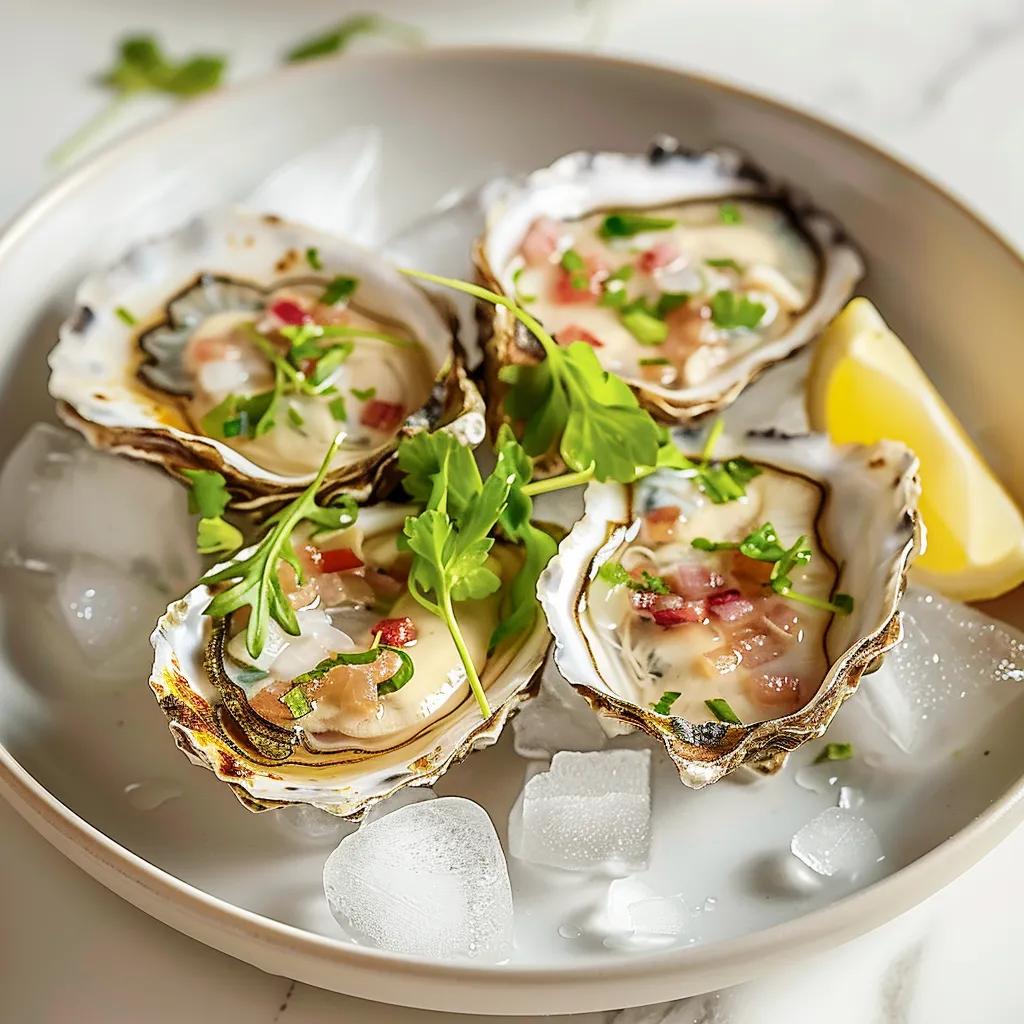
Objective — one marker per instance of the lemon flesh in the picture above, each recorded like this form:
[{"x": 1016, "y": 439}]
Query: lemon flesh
[{"x": 864, "y": 386}]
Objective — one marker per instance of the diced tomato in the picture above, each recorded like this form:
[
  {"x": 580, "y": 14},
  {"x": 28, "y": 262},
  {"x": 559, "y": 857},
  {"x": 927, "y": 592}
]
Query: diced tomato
[
  {"x": 657, "y": 257},
  {"x": 290, "y": 312},
  {"x": 729, "y": 605},
  {"x": 541, "y": 240},
  {"x": 395, "y": 632},
  {"x": 694, "y": 580},
  {"x": 659, "y": 525},
  {"x": 567, "y": 335},
  {"x": 339, "y": 560},
  {"x": 594, "y": 271},
  {"x": 382, "y": 415}
]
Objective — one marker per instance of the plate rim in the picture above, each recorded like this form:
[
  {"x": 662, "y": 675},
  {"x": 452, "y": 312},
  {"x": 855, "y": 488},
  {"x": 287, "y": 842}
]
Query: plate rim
[{"x": 566, "y": 989}]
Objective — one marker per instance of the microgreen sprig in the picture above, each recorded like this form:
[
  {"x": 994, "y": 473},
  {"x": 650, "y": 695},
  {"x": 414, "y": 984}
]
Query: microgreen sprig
[
  {"x": 256, "y": 581},
  {"x": 336, "y": 39},
  {"x": 208, "y": 497}
]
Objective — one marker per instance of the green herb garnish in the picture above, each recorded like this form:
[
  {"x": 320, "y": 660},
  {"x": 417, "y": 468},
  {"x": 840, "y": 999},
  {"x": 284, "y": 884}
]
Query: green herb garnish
[
  {"x": 297, "y": 702},
  {"x": 313, "y": 258},
  {"x": 340, "y": 289},
  {"x": 616, "y": 574},
  {"x": 255, "y": 582},
  {"x": 646, "y": 327},
  {"x": 569, "y": 403},
  {"x": 722, "y": 710},
  {"x": 626, "y": 225},
  {"x": 576, "y": 267},
  {"x": 729, "y": 213},
  {"x": 295, "y": 417},
  {"x": 665, "y": 702},
  {"x": 835, "y": 752},
  {"x": 338, "y": 410},
  {"x": 394, "y": 683},
  {"x": 729, "y": 310},
  {"x": 125, "y": 316},
  {"x": 336, "y": 40},
  {"x": 142, "y": 67},
  {"x": 670, "y": 301},
  {"x": 763, "y": 545},
  {"x": 656, "y": 361},
  {"x": 727, "y": 263},
  {"x": 208, "y": 497},
  {"x": 363, "y": 394},
  {"x": 521, "y": 297}
]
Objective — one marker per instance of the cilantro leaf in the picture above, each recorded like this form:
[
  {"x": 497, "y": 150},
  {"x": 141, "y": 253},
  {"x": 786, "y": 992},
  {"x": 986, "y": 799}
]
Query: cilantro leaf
[
  {"x": 208, "y": 493},
  {"x": 341, "y": 289},
  {"x": 424, "y": 457},
  {"x": 729, "y": 310},
  {"x": 646, "y": 327},
  {"x": 615, "y": 574},
  {"x": 730, "y": 213},
  {"x": 215, "y": 535},
  {"x": 336, "y": 39}
]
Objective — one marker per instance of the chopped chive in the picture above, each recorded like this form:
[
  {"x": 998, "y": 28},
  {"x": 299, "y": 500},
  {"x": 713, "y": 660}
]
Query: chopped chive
[
  {"x": 363, "y": 394},
  {"x": 665, "y": 702},
  {"x": 721, "y": 709},
  {"x": 313, "y": 258},
  {"x": 656, "y": 361},
  {"x": 339, "y": 290},
  {"x": 576, "y": 266},
  {"x": 835, "y": 752},
  {"x": 297, "y": 702},
  {"x": 729, "y": 213},
  {"x": 294, "y": 416},
  {"x": 232, "y": 428},
  {"x": 626, "y": 225},
  {"x": 645, "y": 327},
  {"x": 669, "y": 301},
  {"x": 727, "y": 263},
  {"x": 337, "y": 407},
  {"x": 125, "y": 316}
]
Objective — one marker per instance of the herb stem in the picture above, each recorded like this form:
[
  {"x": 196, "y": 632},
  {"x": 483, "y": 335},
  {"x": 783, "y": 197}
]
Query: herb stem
[
  {"x": 67, "y": 150},
  {"x": 344, "y": 331},
  {"x": 558, "y": 483},
  {"x": 448, "y": 614}
]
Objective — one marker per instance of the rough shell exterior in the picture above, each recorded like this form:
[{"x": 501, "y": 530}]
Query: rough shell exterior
[
  {"x": 95, "y": 367},
  {"x": 267, "y": 766},
  {"x": 582, "y": 183},
  {"x": 869, "y": 525}
]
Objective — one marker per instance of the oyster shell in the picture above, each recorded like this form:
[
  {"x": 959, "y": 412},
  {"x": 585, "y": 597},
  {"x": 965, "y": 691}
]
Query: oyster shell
[
  {"x": 783, "y": 667},
  {"x": 350, "y": 751},
  {"x": 726, "y": 300},
  {"x": 157, "y": 355}
]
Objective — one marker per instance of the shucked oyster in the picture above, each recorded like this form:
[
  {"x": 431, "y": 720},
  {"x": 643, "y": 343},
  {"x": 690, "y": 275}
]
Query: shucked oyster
[
  {"x": 243, "y": 344},
  {"x": 371, "y": 695},
  {"x": 729, "y": 611},
  {"x": 689, "y": 273}
]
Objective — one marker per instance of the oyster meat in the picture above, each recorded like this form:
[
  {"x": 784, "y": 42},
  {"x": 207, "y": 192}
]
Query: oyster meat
[
  {"x": 689, "y": 273},
  {"x": 369, "y": 697},
  {"x": 731, "y": 620},
  {"x": 244, "y": 344}
]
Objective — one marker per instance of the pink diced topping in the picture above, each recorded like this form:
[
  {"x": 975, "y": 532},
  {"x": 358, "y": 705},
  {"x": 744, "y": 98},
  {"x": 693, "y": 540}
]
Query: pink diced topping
[
  {"x": 669, "y": 609},
  {"x": 573, "y": 332},
  {"x": 729, "y": 605},
  {"x": 783, "y": 615},
  {"x": 694, "y": 580},
  {"x": 642, "y": 600},
  {"x": 774, "y": 689},
  {"x": 541, "y": 240},
  {"x": 594, "y": 271},
  {"x": 657, "y": 257},
  {"x": 659, "y": 525},
  {"x": 755, "y": 647},
  {"x": 289, "y": 312}
]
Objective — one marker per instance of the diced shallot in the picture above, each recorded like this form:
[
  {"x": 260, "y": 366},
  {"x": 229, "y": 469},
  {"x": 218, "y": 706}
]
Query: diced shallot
[{"x": 541, "y": 240}]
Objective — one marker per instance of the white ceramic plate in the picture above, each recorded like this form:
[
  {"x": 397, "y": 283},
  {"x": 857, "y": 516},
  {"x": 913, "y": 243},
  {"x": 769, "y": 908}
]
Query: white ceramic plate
[{"x": 450, "y": 118}]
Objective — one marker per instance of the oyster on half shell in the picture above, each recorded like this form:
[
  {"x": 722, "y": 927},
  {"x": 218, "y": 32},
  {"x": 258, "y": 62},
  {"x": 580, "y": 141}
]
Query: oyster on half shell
[
  {"x": 334, "y": 717},
  {"x": 689, "y": 273},
  {"x": 650, "y": 627},
  {"x": 242, "y": 343}
]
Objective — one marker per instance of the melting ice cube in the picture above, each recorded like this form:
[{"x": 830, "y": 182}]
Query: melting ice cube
[
  {"x": 428, "y": 879},
  {"x": 837, "y": 842},
  {"x": 591, "y": 810}
]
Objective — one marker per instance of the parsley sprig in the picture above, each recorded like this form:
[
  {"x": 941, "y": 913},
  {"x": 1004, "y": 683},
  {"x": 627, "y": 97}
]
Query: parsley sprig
[
  {"x": 141, "y": 67},
  {"x": 763, "y": 545},
  {"x": 569, "y": 403},
  {"x": 615, "y": 574},
  {"x": 255, "y": 580}
]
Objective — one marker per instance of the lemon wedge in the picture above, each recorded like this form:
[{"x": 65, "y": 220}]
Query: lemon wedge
[{"x": 864, "y": 386}]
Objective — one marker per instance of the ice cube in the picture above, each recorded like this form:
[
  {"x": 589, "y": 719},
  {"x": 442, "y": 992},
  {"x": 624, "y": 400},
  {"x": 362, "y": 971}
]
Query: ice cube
[
  {"x": 590, "y": 810},
  {"x": 332, "y": 186},
  {"x": 59, "y": 498},
  {"x": 950, "y": 655},
  {"x": 304, "y": 821},
  {"x": 558, "y": 718},
  {"x": 405, "y": 796},
  {"x": 429, "y": 879},
  {"x": 634, "y": 907},
  {"x": 837, "y": 842},
  {"x": 107, "y": 611}
]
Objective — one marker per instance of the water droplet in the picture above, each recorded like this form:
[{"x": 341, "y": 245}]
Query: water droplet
[
  {"x": 151, "y": 793},
  {"x": 818, "y": 778},
  {"x": 568, "y": 931}
]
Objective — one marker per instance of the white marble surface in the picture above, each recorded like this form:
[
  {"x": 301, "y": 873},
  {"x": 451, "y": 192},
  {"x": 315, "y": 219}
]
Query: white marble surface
[{"x": 937, "y": 81}]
